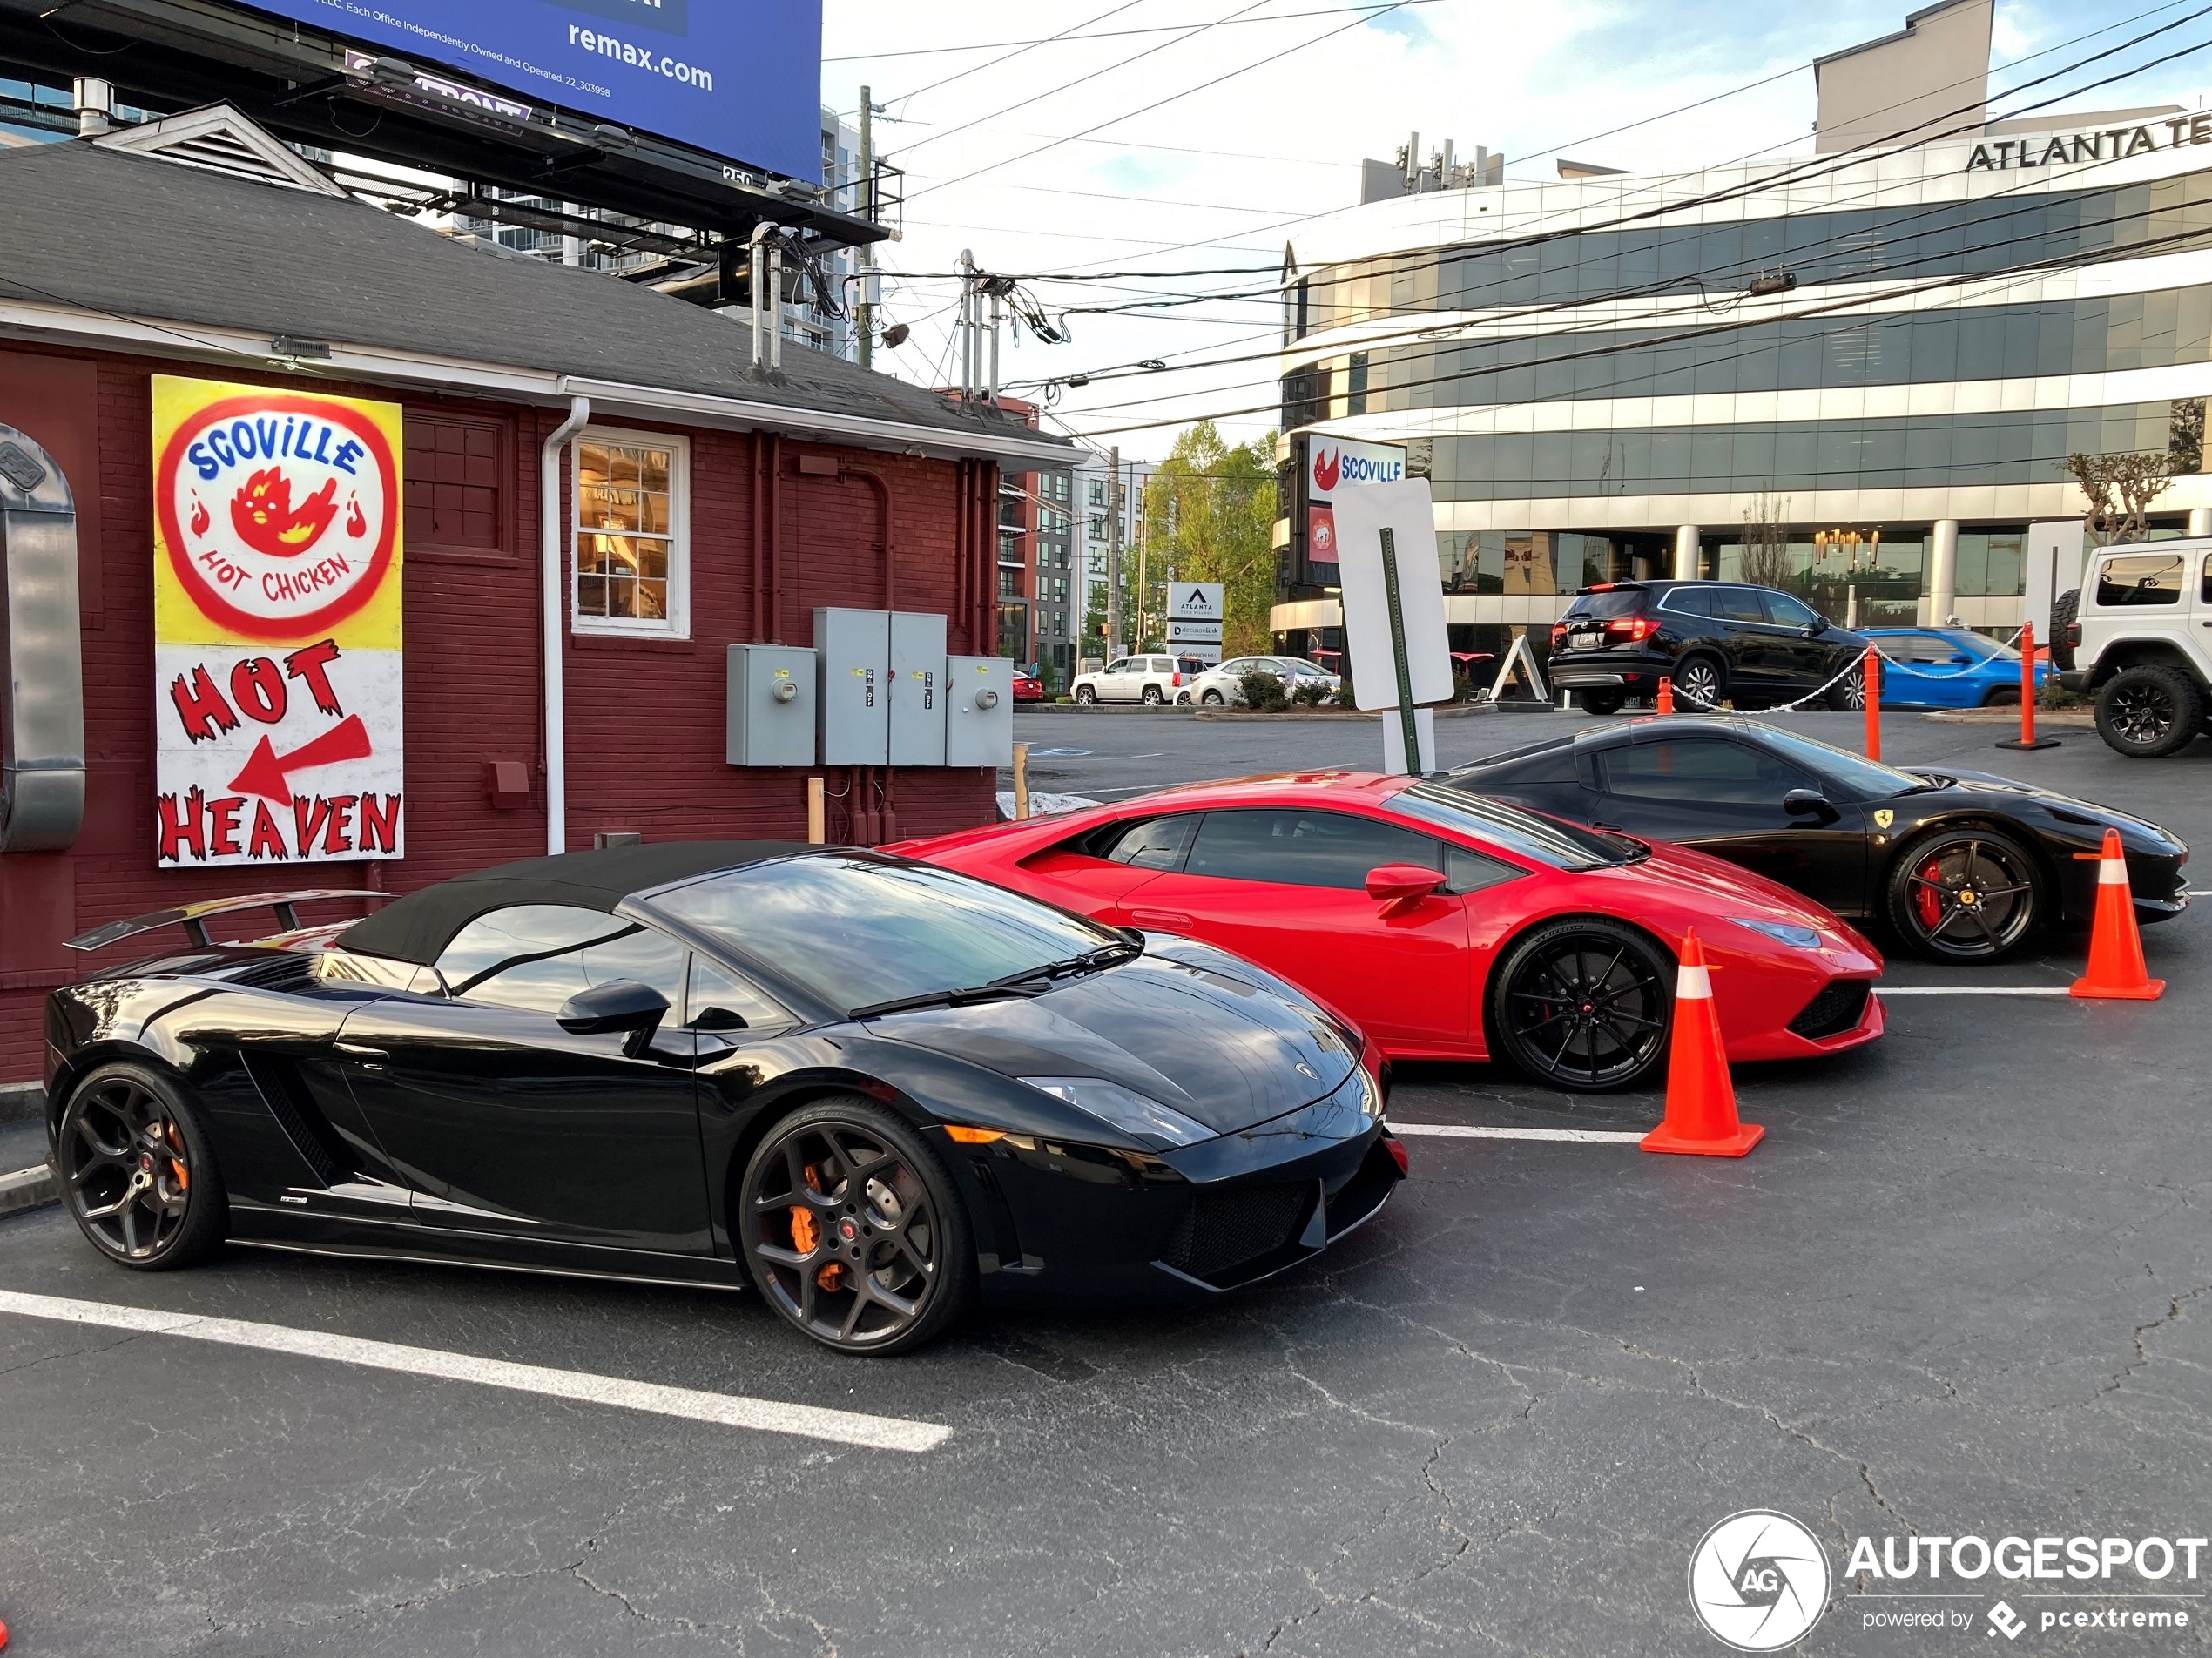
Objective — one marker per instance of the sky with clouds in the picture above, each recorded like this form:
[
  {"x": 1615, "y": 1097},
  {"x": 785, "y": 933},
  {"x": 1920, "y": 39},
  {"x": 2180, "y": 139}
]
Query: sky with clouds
[{"x": 1177, "y": 135}]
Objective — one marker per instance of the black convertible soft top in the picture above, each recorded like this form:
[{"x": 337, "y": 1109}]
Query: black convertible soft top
[{"x": 419, "y": 926}]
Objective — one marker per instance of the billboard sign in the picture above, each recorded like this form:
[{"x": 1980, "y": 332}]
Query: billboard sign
[
  {"x": 1334, "y": 464},
  {"x": 1195, "y": 612},
  {"x": 738, "y": 78},
  {"x": 277, "y": 555}
]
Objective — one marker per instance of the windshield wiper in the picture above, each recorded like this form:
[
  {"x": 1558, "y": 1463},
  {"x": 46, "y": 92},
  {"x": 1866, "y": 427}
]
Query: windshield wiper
[
  {"x": 1929, "y": 787},
  {"x": 1106, "y": 955},
  {"x": 959, "y": 997}
]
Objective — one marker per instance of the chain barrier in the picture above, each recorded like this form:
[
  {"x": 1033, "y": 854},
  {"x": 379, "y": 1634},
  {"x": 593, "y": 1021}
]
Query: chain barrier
[{"x": 1857, "y": 664}]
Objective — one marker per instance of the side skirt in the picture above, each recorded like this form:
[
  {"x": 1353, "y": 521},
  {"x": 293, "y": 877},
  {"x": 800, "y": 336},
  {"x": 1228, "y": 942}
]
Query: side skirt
[{"x": 361, "y": 1252}]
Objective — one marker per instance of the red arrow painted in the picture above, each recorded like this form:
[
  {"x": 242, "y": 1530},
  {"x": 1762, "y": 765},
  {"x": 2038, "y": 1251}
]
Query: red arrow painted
[{"x": 268, "y": 773}]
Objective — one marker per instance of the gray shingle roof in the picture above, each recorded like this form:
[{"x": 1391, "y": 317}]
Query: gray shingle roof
[{"x": 105, "y": 229}]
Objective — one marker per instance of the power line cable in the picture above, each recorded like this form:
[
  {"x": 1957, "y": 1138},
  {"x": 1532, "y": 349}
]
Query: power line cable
[{"x": 1103, "y": 34}]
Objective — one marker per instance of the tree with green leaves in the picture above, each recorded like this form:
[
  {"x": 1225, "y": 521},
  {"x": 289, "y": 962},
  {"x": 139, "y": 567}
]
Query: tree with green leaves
[{"x": 1210, "y": 514}]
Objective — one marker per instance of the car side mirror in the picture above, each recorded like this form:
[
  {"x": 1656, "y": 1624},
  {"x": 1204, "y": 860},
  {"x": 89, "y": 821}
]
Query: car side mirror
[
  {"x": 1808, "y": 802},
  {"x": 621, "y": 1007},
  {"x": 1399, "y": 888},
  {"x": 719, "y": 1018},
  {"x": 1814, "y": 628}
]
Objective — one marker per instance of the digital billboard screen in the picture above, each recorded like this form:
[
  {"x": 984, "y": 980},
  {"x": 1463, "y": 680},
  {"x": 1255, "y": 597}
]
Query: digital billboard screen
[{"x": 738, "y": 78}]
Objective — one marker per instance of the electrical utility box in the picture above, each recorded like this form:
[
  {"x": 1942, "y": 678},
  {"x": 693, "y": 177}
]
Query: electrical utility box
[
  {"x": 979, "y": 711},
  {"x": 771, "y": 696},
  {"x": 852, "y": 650},
  {"x": 917, "y": 689}
]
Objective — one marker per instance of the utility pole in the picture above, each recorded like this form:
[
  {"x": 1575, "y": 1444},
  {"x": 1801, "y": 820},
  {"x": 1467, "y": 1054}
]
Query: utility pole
[
  {"x": 1114, "y": 553},
  {"x": 865, "y": 311},
  {"x": 967, "y": 325}
]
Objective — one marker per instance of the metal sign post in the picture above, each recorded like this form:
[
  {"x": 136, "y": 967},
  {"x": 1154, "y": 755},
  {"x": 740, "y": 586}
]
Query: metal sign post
[{"x": 1407, "y": 724}]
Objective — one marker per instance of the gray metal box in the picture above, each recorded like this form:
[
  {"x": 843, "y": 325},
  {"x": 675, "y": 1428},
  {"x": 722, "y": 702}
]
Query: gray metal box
[
  {"x": 979, "y": 711},
  {"x": 917, "y": 689},
  {"x": 853, "y": 648},
  {"x": 771, "y": 706}
]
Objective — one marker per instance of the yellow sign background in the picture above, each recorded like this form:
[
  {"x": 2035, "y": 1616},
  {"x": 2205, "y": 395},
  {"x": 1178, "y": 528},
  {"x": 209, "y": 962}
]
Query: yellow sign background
[{"x": 177, "y": 619}]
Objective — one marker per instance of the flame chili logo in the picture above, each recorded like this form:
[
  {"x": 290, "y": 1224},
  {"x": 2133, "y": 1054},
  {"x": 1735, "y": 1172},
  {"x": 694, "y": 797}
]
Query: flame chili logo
[
  {"x": 266, "y": 520},
  {"x": 199, "y": 518},
  {"x": 1326, "y": 467},
  {"x": 356, "y": 522}
]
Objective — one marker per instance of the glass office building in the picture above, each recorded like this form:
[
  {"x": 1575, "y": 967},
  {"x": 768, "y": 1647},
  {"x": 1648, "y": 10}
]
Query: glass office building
[{"x": 1855, "y": 375}]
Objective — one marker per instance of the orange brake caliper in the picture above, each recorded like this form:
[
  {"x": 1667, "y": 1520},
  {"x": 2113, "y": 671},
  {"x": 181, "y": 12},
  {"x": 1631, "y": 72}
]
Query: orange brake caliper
[
  {"x": 804, "y": 1235},
  {"x": 177, "y": 1159}
]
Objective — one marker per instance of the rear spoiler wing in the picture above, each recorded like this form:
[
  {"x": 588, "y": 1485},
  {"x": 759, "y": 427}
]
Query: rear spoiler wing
[{"x": 193, "y": 917}]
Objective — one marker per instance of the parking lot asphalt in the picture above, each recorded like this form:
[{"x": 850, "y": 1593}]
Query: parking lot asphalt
[{"x": 1961, "y": 1289}]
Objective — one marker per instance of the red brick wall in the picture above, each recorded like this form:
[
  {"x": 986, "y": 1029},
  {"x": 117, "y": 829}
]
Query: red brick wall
[{"x": 645, "y": 717}]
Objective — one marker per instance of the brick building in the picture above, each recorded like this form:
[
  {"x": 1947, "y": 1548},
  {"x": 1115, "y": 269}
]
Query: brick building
[{"x": 200, "y": 247}]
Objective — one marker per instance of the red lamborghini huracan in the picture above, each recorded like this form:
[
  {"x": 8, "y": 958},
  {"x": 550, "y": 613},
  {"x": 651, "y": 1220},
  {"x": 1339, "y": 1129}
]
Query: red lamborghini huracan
[{"x": 1450, "y": 926}]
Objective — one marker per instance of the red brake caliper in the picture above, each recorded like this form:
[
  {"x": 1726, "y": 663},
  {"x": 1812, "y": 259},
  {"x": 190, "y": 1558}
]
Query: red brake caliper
[{"x": 1928, "y": 899}]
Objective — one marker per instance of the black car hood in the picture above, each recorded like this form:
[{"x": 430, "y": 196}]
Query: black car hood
[
  {"x": 1225, "y": 1052},
  {"x": 2087, "y": 815}
]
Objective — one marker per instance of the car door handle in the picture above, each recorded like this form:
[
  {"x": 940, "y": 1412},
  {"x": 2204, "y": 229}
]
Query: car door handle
[
  {"x": 369, "y": 1059},
  {"x": 1161, "y": 918}
]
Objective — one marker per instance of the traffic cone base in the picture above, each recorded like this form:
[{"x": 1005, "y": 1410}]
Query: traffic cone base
[
  {"x": 1701, "y": 1117},
  {"x": 2115, "y": 971}
]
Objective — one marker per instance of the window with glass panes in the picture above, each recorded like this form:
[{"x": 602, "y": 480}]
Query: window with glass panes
[{"x": 628, "y": 530}]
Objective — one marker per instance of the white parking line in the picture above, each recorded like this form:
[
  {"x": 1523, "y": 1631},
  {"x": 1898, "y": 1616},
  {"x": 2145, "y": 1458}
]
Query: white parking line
[
  {"x": 1887, "y": 991},
  {"x": 1580, "y": 1137},
  {"x": 726, "y": 1409}
]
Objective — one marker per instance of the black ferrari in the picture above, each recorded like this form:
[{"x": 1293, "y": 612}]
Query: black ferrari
[
  {"x": 1960, "y": 865},
  {"x": 873, "y": 1090}
]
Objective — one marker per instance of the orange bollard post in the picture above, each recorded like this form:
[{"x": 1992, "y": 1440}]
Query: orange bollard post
[
  {"x": 2116, "y": 971},
  {"x": 1700, "y": 1100},
  {"x": 1869, "y": 677},
  {"x": 1664, "y": 702},
  {"x": 2027, "y": 738}
]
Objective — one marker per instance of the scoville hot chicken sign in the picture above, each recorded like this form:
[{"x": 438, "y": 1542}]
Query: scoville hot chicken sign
[{"x": 276, "y": 578}]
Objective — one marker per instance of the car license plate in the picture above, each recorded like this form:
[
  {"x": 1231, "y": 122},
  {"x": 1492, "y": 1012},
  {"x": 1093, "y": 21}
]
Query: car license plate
[{"x": 1584, "y": 640}]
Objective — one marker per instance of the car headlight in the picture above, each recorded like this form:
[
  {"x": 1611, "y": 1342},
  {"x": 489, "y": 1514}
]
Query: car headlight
[
  {"x": 1125, "y": 1108},
  {"x": 1802, "y": 937}
]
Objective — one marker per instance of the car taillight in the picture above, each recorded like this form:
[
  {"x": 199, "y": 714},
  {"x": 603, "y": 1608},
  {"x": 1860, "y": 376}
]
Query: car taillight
[
  {"x": 2073, "y": 633},
  {"x": 1635, "y": 629},
  {"x": 1174, "y": 680},
  {"x": 1559, "y": 635}
]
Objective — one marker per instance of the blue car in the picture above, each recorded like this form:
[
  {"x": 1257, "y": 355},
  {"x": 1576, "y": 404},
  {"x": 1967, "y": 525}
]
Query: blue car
[{"x": 1948, "y": 668}]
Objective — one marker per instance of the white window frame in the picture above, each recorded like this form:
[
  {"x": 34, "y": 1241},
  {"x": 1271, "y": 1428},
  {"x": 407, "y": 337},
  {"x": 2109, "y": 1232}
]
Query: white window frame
[{"x": 677, "y": 624}]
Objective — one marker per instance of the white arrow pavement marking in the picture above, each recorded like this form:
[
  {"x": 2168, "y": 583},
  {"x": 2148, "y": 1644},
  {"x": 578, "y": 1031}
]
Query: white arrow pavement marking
[
  {"x": 1580, "y": 1137},
  {"x": 726, "y": 1409}
]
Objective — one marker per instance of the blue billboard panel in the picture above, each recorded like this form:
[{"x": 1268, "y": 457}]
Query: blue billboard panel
[{"x": 739, "y": 78}]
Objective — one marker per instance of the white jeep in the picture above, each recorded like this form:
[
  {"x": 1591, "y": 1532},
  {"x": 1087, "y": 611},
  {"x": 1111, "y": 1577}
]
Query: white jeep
[{"x": 2138, "y": 633}]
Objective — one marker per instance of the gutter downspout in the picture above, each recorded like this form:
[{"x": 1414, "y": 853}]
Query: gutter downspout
[
  {"x": 881, "y": 486},
  {"x": 549, "y": 541}
]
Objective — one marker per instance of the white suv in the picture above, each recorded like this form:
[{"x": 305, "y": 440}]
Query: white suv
[
  {"x": 2139, "y": 634},
  {"x": 1156, "y": 680}
]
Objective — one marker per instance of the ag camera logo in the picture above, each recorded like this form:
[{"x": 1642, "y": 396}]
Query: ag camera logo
[{"x": 1758, "y": 1580}]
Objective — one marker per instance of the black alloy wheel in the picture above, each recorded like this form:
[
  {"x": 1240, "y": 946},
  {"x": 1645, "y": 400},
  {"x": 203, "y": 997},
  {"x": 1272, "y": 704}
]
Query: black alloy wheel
[
  {"x": 138, "y": 1172},
  {"x": 2150, "y": 711},
  {"x": 853, "y": 1228},
  {"x": 1584, "y": 1004},
  {"x": 1848, "y": 695},
  {"x": 1212, "y": 698},
  {"x": 1964, "y": 894},
  {"x": 1603, "y": 701},
  {"x": 1698, "y": 683},
  {"x": 1153, "y": 697},
  {"x": 1086, "y": 694}
]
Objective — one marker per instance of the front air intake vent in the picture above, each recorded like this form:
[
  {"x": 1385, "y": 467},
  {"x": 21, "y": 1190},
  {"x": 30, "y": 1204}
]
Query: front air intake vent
[
  {"x": 1226, "y": 1229},
  {"x": 1835, "y": 1010}
]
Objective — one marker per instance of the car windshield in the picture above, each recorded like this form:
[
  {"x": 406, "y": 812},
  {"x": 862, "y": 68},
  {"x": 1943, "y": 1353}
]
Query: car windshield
[
  {"x": 857, "y": 931},
  {"x": 1614, "y": 604},
  {"x": 1560, "y": 844},
  {"x": 1866, "y": 779}
]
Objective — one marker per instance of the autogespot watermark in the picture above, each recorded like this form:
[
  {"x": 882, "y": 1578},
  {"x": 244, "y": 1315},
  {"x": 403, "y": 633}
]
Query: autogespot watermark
[{"x": 1759, "y": 1581}]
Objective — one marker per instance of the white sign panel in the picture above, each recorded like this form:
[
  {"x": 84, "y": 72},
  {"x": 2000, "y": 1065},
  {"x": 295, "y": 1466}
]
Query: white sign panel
[
  {"x": 1193, "y": 633},
  {"x": 1403, "y": 511},
  {"x": 1194, "y": 601},
  {"x": 1334, "y": 464}
]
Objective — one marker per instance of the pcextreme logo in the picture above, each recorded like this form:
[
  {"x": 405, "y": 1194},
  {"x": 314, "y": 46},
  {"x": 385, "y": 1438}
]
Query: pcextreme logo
[{"x": 1758, "y": 1580}]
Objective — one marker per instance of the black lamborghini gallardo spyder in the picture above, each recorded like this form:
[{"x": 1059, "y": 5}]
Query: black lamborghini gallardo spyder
[{"x": 873, "y": 1089}]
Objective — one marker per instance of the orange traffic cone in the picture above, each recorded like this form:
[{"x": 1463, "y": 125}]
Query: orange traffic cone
[
  {"x": 2116, "y": 970},
  {"x": 1664, "y": 702},
  {"x": 1700, "y": 1100}
]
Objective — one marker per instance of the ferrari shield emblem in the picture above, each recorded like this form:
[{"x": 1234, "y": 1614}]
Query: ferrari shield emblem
[{"x": 1884, "y": 817}]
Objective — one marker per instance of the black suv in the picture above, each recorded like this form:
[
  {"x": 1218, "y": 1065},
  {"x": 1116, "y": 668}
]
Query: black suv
[{"x": 1750, "y": 644}]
